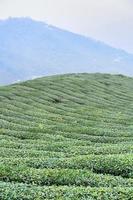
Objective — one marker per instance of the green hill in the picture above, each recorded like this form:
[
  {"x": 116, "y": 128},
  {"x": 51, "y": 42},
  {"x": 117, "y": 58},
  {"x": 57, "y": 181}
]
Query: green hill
[{"x": 67, "y": 137}]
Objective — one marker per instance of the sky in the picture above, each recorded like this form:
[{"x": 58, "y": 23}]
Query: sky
[{"x": 110, "y": 21}]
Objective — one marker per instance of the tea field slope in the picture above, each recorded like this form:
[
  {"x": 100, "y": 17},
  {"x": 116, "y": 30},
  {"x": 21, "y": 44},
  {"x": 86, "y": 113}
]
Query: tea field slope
[{"x": 67, "y": 137}]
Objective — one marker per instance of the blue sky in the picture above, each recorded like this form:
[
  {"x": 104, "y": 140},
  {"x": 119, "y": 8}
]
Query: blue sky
[{"x": 110, "y": 21}]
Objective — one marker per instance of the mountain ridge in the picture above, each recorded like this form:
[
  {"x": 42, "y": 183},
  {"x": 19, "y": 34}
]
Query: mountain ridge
[{"x": 30, "y": 48}]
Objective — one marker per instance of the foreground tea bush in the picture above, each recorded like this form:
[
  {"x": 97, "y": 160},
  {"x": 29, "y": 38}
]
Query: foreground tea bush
[
  {"x": 67, "y": 137},
  {"x": 59, "y": 176},
  {"x": 28, "y": 192}
]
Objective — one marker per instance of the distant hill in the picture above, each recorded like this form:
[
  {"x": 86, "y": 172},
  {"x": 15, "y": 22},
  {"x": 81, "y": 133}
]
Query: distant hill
[
  {"x": 29, "y": 49},
  {"x": 67, "y": 137}
]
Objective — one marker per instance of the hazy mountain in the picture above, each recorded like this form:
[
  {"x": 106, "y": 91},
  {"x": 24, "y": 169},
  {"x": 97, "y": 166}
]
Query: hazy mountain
[{"x": 30, "y": 48}]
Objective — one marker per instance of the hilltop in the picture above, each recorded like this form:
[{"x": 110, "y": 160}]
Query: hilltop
[
  {"x": 67, "y": 137},
  {"x": 29, "y": 49}
]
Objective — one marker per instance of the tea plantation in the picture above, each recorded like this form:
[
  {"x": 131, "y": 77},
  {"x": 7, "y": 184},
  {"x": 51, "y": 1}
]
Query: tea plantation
[{"x": 67, "y": 137}]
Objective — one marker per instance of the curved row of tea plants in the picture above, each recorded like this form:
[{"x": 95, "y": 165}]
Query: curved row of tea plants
[{"x": 67, "y": 137}]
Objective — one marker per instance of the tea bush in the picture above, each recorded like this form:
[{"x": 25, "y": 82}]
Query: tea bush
[{"x": 67, "y": 137}]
